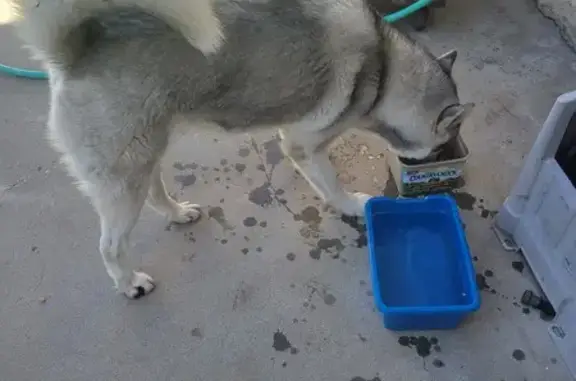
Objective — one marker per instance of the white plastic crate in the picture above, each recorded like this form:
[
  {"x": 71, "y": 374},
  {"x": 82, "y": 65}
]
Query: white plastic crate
[{"x": 539, "y": 218}]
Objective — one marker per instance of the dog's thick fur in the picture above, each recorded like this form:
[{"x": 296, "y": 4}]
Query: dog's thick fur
[
  {"x": 195, "y": 19},
  {"x": 120, "y": 78}
]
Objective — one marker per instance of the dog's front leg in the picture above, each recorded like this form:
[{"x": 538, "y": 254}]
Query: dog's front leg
[{"x": 308, "y": 157}]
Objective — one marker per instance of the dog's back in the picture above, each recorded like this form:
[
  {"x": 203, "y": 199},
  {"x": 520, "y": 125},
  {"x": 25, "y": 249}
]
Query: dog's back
[{"x": 276, "y": 63}]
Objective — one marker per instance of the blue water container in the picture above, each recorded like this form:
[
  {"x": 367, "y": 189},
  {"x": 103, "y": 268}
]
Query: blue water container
[{"x": 420, "y": 263}]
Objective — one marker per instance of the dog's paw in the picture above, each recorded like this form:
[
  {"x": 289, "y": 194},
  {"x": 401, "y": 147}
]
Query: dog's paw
[
  {"x": 186, "y": 212},
  {"x": 354, "y": 204},
  {"x": 140, "y": 285}
]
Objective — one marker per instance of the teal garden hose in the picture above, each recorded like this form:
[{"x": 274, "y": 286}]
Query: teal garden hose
[
  {"x": 37, "y": 74},
  {"x": 23, "y": 73}
]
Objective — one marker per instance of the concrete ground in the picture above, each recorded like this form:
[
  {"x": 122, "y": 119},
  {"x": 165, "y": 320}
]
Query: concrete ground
[
  {"x": 563, "y": 13},
  {"x": 272, "y": 287}
]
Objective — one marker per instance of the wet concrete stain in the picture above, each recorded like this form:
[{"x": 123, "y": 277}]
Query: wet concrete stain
[
  {"x": 274, "y": 153},
  {"x": 181, "y": 167},
  {"x": 332, "y": 245},
  {"x": 485, "y": 213},
  {"x": 197, "y": 332},
  {"x": 464, "y": 200},
  {"x": 481, "y": 282},
  {"x": 526, "y": 311},
  {"x": 250, "y": 222},
  {"x": 519, "y": 355},
  {"x": 244, "y": 152},
  {"x": 245, "y": 251},
  {"x": 291, "y": 256},
  {"x": 362, "y": 338},
  {"x": 438, "y": 363},
  {"x": 190, "y": 236},
  {"x": 518, "y": 266},
  {"x": 329, "y": 299},
  {"x": 364, "y": 379},
  {"x": 186, "y": 180},
  {"x": 280, "y": 342},
  {"x": 354, "y": 223},
  {"x": 261, "y": 196},
  {"x": 294, "y": 351},
  {"x": 422, "y": 344},
  {"x": 263, "y": 224},
  {"x": 312, "y": 219},
  {"x": 309, "y": 215},
  {"x": 239, "y": 167},
  {"x": 488, "y": 273},
  {"x": 320, "y": 290},
  {"x": 217, "y": 213}
]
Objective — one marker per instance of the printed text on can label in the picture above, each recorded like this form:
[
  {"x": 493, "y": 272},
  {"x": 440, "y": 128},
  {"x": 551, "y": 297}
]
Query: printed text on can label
[{"x": 424, "y": 176}]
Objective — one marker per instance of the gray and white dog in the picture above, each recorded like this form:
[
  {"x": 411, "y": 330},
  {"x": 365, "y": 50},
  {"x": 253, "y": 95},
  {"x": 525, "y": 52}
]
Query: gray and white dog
[{"x": 121, "y": 78}]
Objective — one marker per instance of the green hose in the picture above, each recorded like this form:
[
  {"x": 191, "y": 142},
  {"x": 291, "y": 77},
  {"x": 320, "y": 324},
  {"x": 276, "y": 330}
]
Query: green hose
[
  {"x": 404, "y": 12},
  {"x": 36, "y": 74}
]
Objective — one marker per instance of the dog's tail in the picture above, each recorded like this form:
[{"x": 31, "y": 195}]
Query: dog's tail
[{"x": 57, "y": 31}]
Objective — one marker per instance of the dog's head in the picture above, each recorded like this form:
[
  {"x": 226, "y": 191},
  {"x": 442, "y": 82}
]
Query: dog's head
[{"x": 418, "y": 109}]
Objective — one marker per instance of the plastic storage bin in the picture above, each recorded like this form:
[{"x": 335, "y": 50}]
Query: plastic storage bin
[
  {"x": 422, "y": 272},
  {"x": 539, "y": 218}
]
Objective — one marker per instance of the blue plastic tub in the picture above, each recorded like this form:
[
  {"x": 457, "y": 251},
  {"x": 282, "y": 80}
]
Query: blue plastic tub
[{"x": 421, "y": 268}]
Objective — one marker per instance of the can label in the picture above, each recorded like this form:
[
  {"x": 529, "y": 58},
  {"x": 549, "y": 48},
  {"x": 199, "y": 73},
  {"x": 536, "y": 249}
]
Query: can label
[
  {"x": 432, "y": 175},
  {"x": 431, "y": 180}
]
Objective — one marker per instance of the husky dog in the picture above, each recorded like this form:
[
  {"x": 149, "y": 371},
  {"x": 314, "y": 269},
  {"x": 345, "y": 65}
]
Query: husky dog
[{"x": 120, "y": 78}]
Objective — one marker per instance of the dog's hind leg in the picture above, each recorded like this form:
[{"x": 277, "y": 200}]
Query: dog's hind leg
[
  {"x": 161, "y": 201},
  {"x": 119, "y": 202},
  {"x": 306, "y": 153}
]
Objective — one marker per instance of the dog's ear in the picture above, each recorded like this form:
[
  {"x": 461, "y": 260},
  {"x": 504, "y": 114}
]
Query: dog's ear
[
  {"x": 454, "y": 115},
  {"x": 447, "y": 59}
]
